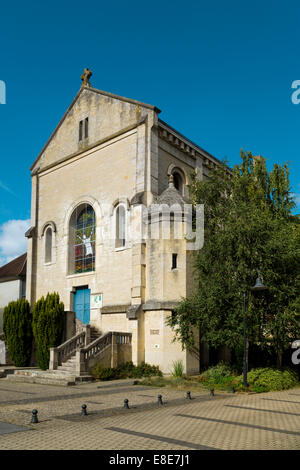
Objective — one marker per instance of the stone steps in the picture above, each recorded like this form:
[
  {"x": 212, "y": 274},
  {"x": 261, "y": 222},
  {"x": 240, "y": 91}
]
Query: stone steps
[
  {"x": 62, "y": 372},
  {"x": 10, "y": 370},
  {"x": 47, "y": 377},
  {"x": 41, "y": 377},
  {"x": 68, "y": 367},
  {"x": 64, "y": 375}
]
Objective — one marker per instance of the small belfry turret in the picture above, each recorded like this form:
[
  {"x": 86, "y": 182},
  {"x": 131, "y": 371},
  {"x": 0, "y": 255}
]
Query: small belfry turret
[{"x": 85, "y": 77}]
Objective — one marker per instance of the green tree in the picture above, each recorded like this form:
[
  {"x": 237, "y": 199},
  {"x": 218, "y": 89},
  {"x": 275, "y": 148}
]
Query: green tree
[
  {"x": 17, "y": 327},
  {"x": 48, "y": 326},
  {"x": 248, "y": 226}
]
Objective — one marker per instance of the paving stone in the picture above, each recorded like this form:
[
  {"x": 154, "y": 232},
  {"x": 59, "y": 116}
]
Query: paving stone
[{"x": 267, "y": 421}]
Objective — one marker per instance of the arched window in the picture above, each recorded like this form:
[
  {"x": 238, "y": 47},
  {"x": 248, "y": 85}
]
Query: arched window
[
  {"x": 178, "y": 181},
  {"x": 120, "y": 226},
  {"x": 48, "y": 245},
  {"x": 82, "y": 240}
]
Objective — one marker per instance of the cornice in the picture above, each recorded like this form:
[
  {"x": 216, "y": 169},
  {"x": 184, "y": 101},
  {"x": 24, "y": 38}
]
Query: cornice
[{"x": 182, "y": 143}]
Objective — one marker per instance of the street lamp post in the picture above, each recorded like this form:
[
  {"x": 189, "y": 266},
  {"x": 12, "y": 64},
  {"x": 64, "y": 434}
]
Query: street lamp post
[
  {"x": 258, "y": 287},
  {"x": 245, "y": 365}
]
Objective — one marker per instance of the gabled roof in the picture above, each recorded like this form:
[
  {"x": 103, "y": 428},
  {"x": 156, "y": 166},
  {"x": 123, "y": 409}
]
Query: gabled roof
[
  {"x": 101, "y": 92},
  {"x": 14, "y": 269}
]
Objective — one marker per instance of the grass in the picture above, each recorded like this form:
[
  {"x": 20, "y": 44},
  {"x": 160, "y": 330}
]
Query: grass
[{"x": 177, "y": 369}]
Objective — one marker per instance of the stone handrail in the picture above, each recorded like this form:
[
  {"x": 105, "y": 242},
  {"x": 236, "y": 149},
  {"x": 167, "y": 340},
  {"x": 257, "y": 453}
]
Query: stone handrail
[
  {"x": 122, "y": 338},
  {"x": 97, "y": 346},
  {"x": 93, "y": 349},
  {"x": 65, "y": 350},
  {"x": 87, "y": 352},
  {"x": 87, "y": 356}
]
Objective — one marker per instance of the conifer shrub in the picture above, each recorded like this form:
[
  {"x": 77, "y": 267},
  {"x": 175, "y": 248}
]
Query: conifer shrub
[
  {"x": 48, "y": 325},
  {"x": 17, "y": 327}
]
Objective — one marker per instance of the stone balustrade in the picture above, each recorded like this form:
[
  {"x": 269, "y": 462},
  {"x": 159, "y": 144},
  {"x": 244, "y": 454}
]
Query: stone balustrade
[
  {"x": 111, "y": 343},
  {"x": 112, "y": 348},
  {"x": 64, "y": 351}
]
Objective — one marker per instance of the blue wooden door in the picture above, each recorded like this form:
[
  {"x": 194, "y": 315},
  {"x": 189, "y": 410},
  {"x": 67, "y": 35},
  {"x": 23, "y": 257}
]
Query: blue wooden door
[{"x": 81, "y": 304}]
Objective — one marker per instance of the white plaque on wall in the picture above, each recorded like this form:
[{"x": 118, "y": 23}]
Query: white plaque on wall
[{"x": 96, "y": 301}]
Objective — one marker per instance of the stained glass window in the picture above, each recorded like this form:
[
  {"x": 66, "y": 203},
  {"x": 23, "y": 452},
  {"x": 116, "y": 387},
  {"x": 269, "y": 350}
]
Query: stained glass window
[{"x": 84, "y": 246}]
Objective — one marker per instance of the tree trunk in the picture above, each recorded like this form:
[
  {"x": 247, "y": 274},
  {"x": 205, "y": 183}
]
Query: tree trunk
[{"x": 279, "y": 360}]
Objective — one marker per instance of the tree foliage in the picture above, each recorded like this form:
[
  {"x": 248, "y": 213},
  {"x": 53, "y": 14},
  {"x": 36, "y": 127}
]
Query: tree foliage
[
  {"x": 248, "y": 226},
  {"x": 48, "y": 326},
  {"x": 17, "y": 327}
]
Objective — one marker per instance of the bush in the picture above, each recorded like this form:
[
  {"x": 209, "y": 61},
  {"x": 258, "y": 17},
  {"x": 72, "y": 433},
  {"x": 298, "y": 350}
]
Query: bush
[
  {"x": 271, "y": 379},
  {"x": 259, "y": 380},
  {"x": 127, "y": 370},
  {"x": 221, "y": 373},
  {"x": 48, "y": 326},
  {"x": 17, "y": 329},
  {"x": 146, "y": 370},
  {"x": 105, "y": 373}
]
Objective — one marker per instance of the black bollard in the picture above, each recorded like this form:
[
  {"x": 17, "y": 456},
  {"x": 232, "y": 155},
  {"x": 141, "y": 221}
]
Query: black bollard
[
  {"x": 126, "y": 404},
  {"x": 188, "y": 395},
  {"x": 83, "y": 410},
  {"x": 34, "y": 418},
  {"x": 232, "y": 390},
  {"x": 212, "y": 392},
  {"x": 160, "y": 402}
]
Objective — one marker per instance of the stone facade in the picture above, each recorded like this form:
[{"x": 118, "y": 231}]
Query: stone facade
[{"x": 126, "y": 158}]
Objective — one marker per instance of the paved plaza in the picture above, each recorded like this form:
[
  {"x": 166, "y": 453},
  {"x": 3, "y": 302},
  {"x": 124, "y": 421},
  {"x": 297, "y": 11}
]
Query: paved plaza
[{"x": 226, "y": 421}]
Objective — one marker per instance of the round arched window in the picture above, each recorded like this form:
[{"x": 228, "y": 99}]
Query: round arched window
[
  {"x": 178, "y": 181},
  {"x": 82, "y": 237},
  {"x": 120, "y": 226},
  {"x": 48, "y": 245}
]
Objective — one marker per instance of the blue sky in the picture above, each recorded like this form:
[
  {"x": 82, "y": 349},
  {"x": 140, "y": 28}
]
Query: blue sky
[{"x": 221, "y": 72}]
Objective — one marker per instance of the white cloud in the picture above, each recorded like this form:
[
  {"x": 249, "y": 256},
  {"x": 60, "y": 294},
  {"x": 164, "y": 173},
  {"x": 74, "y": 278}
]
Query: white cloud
[{"x": 13, "y": 242}]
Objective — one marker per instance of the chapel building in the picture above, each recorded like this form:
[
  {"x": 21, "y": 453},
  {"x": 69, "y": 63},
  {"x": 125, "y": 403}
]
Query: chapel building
[{"x": 108, "y": 161}]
